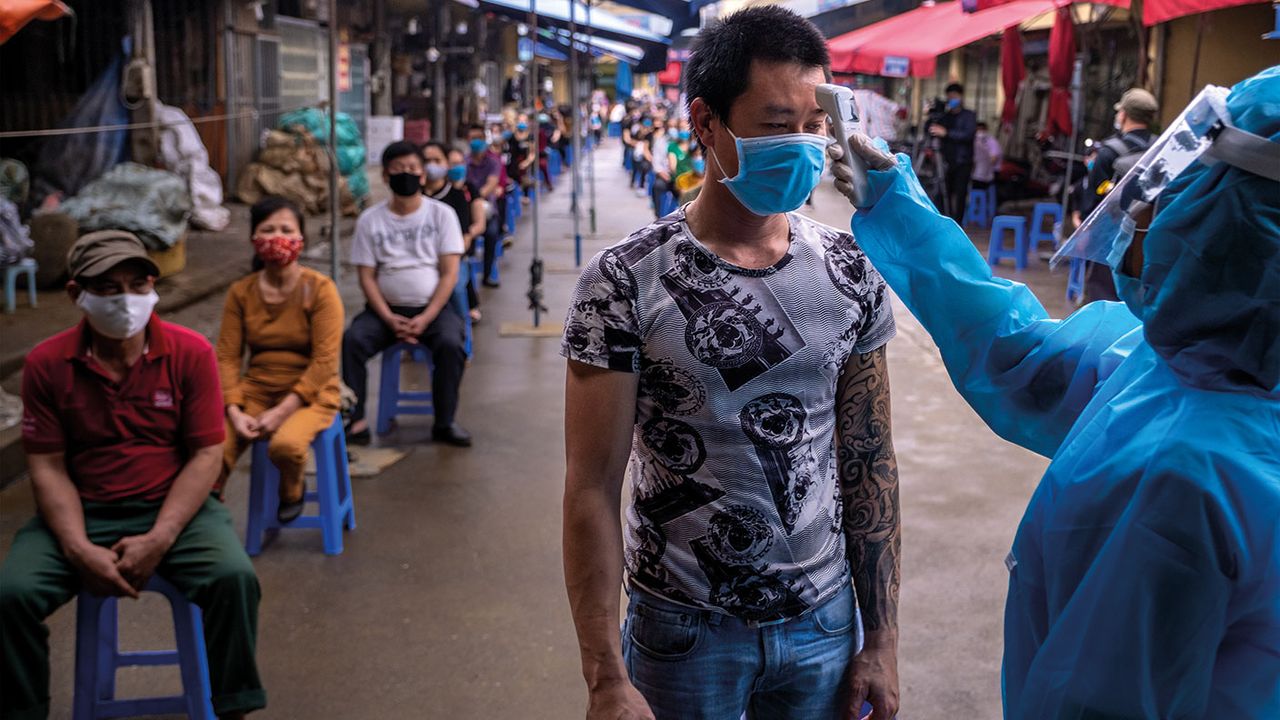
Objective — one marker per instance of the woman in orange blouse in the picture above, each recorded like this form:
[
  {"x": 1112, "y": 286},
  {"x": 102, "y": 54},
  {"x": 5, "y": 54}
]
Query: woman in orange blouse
[{"x": 289, "y": 319}]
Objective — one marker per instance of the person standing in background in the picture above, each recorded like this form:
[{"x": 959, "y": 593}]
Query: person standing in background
[
  {"x": 956, "y": 131},
  {"x": 987, "y": 157},
  {"x": 1114, "y": 157}
]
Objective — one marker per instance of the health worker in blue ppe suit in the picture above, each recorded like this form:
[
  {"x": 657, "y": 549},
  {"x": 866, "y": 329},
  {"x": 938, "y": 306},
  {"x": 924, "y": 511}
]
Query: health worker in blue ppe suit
[{"x": 1145, "y": 574}]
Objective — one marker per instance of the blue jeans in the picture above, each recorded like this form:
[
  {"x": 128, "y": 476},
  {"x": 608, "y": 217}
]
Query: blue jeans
[{"x": 699, "y": 665}]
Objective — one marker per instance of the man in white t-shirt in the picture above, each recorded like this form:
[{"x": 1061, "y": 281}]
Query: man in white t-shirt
[{"x": 407, "y": 250}]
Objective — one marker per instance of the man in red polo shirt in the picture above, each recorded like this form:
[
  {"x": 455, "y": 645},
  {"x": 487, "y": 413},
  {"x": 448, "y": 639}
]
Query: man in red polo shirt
[{"x": 123, "y": 428}]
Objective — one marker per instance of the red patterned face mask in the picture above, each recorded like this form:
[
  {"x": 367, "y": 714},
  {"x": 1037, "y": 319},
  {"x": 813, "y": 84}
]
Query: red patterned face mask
[{"x": 277, "y": 249}]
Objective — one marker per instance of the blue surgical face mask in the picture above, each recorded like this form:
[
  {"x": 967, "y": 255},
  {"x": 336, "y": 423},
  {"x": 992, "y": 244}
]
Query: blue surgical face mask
[
  {"x": 683, "y": 134},
  {"x": 699, "y": 165},
  {"x": 953, "y": 103},
  {"x": 522, "y": 126},
  {"x": 457, "y": 173},
  {"x": 478, "y": 145},
  {"x": 776, "y": 173}
]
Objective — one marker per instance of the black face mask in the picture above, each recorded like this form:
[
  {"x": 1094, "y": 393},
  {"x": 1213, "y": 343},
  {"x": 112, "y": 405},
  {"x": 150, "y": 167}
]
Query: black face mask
[{"x": 405, "y": 184}]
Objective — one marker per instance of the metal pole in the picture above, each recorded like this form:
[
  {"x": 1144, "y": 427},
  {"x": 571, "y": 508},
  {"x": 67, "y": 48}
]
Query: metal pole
[
  {"x": 535, "y": 267},
  {"x": 1077, "y": 75},
  {"x": 333, "y": 139},
  {"x": 591, "y": 163},
  {"x": 575, "y": 86}
]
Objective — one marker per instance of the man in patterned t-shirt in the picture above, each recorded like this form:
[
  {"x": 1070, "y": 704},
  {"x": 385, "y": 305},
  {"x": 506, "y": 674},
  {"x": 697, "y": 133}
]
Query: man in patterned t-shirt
[{"x": 732, "y": 356}]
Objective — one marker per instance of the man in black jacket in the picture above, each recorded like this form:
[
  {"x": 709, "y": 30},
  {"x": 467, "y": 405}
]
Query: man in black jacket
[
  {"x": 1115, "y": 156},
  {"x": 956, "y": 130}
]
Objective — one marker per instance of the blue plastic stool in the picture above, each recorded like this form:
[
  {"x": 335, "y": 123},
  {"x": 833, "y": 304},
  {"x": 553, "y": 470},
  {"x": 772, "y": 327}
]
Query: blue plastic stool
[
  {"x": 392, "y": 401},
  {"x": 513, "y": 213},
  {"x": 992, "y": 206},
  {"x": 1038, "y": 214},
  {"x": 98, "y": 656},
  {"x": 25, "y": 266},
  {"x": 494, "y": 274},
  {"x": 996, "y": 251},
  {"x": 498, "y": 252},
  {"x": 517, "y": 195},
  {"x": 978, "y": 211},
  {"x": 1075, "y": 280},
  {"x": 332, "y": 493}
]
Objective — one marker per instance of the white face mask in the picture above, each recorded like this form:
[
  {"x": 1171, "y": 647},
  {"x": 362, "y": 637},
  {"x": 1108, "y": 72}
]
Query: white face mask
[{"x": 118, "y": 316}]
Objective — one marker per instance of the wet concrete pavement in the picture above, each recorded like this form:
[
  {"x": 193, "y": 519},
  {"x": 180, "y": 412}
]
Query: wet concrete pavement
[{"x": 449, "y": 601}]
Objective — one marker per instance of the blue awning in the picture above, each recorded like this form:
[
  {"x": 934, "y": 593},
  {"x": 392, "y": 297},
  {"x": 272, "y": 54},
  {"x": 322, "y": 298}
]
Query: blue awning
[
  {"x": 555, "y": 13},
  {"x": 546, "y": 52},
  {"x": 598, "y": 47}
]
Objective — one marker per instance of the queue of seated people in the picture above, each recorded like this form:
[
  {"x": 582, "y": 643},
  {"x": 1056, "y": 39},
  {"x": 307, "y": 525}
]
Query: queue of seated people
[{"x": 132, "y": 425}]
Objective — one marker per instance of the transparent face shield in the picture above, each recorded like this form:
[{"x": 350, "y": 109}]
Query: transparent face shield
[{"x": 1104, "y": 234}]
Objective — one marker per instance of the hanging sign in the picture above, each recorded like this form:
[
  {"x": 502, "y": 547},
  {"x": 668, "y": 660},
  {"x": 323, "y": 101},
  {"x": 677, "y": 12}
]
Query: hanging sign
[{"x": 895, "y": 66}]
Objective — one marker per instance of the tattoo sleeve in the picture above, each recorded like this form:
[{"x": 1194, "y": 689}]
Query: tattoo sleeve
[{"x": 869, "y": 487}]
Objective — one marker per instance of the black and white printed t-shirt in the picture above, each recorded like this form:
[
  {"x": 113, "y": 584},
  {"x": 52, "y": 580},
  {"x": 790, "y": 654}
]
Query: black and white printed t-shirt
[{"x": 735, "y": 502}]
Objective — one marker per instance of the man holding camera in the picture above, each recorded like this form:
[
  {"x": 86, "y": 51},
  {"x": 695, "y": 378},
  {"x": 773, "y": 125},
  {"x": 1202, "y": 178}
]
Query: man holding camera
[{"x": 956, "y": 130}]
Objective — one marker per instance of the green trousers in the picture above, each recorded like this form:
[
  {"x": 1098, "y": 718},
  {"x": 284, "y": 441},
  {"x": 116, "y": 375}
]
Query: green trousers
[{"x": 207, "y": 563}]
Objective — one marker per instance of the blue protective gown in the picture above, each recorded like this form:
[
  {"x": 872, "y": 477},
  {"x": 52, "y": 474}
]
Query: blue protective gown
[{"x": 1145, "y": 574}]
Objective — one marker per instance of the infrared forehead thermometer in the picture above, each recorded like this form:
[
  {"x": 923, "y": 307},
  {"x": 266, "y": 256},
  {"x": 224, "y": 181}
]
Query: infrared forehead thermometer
[{"x": 838, "y": 102}]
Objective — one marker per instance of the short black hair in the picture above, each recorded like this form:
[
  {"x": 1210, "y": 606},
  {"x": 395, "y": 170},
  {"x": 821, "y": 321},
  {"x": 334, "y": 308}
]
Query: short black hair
[
  {"x": 955, "y": 87},
  {"x": 720, "y": 62},
  {"x": 444, "y": 149},
  {"x": 399, "y": 149}
]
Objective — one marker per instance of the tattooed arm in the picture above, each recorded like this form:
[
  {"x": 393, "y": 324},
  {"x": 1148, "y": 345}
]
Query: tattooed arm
[{"x": 872, "y": 527}]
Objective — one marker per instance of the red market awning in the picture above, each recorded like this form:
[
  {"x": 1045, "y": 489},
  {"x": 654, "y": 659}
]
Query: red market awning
[
  {"x": 1158, "y": 11},
  {"x": 978, "y": 5},
  {"x": 909, "y": 44},
  {"x": 1154, "y": 12}
]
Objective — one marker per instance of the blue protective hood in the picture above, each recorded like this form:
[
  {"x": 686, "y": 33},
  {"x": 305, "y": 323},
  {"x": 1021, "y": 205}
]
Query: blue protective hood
[{"x": 1210, "y": 299}]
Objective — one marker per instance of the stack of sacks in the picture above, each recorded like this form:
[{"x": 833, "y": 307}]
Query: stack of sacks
[{"x": 294, "y": 166}]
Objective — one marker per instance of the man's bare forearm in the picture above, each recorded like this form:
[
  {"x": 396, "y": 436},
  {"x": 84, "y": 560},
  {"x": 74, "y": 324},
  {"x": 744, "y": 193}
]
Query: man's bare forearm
[
  {"x": 188, "y": 492},
  {"x": 58, "y": 501},
  {"x": 593, "y": 577},
  {"x": 869, "y": 488}
]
